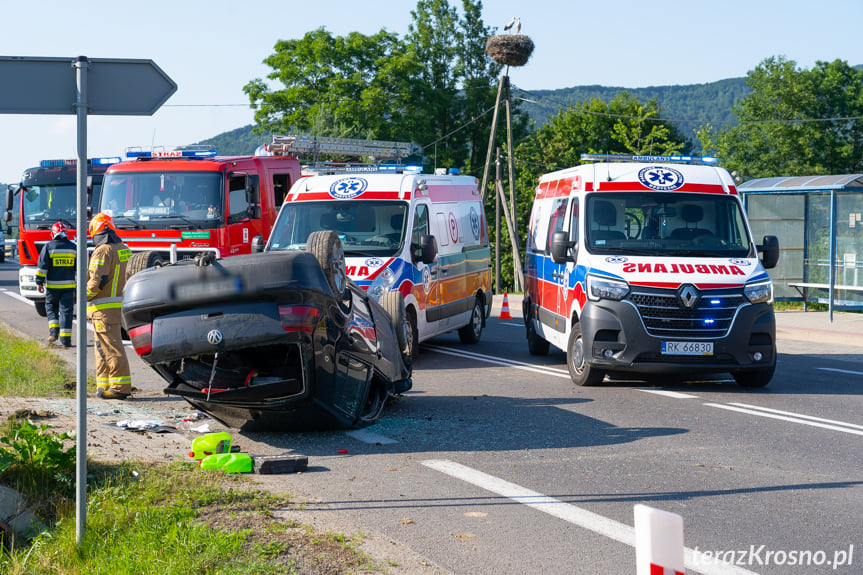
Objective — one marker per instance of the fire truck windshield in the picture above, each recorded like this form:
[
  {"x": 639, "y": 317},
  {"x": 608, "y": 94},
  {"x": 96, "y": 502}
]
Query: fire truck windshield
[
  {"x": 45, "y": 205},
  {"x": 370, "y": 228},
  {"x": 160, "y": 199}
]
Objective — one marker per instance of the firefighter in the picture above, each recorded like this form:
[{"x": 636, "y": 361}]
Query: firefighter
[
  {"x": 106, "y": 280},
  {"x": 55, "y": 277}
]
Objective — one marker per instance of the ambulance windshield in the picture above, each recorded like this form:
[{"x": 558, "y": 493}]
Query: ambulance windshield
[
  {"x": 366, "y": 228},
  {"x": 667, "y": 224}
]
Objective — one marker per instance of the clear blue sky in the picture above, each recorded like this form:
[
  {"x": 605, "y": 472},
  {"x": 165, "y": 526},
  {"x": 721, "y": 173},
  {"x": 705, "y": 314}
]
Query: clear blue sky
[{"x": 212, "y": 48}]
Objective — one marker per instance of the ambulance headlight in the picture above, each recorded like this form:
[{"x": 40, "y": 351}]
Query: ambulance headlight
[
  {"x": 605, "y": 288},
  {"x": 761, "y": 292},
  {"x": 382, "y": 284}
]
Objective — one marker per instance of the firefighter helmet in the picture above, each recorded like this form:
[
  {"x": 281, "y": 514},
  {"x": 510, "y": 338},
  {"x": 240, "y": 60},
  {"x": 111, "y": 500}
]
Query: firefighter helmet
[
  {"x": 58, "y": 229},
  {"x": 100, "y": 222}
]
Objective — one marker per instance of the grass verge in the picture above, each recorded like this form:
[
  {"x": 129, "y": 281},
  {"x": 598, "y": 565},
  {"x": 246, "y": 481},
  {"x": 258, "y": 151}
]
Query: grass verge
[{"x": 31, "y": 370}]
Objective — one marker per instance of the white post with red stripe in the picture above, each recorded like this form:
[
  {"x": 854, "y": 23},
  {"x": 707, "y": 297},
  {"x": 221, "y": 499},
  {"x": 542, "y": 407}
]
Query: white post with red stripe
[{"x": 658, "y": 542}]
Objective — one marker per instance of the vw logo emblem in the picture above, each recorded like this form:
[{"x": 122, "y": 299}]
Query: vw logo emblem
[
  {"x": 688, "y": 296},
  {"x": 214, "y": 337}
]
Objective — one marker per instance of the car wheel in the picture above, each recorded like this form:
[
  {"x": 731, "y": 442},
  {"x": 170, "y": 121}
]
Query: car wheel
[
  {"x": 580, "y": 370},
  {"x": 473, "y": 330},
  {"x": 141, "y": 261},
  {"x": 40, "y": 308},
  {"x": 394, "y": 303},
  {"x": 327, "y": 249},
  {"x": 535, "y": 344},
  {"x": 754, "y": 377}
]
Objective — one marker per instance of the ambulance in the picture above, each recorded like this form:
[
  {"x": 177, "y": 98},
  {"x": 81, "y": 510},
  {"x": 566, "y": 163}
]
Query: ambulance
[
  {"x": 424, "y": 235},
  {"x": 646, "y": 265}
]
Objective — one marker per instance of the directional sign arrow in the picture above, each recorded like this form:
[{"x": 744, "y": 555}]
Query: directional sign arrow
[{"x": 116, "y": 87}]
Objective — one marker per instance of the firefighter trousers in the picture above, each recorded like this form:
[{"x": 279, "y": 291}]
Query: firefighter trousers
[
  {"x": 59, "y": 306},
  {"x": 112, "y": 365}
]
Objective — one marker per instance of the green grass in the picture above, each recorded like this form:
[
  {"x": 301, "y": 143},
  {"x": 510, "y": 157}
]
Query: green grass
[{"x": 31, "y": 370}]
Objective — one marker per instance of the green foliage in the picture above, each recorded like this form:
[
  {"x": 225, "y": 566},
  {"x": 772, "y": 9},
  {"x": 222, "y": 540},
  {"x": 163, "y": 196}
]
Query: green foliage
[
  {"x": 35, "y": 461},
  {"x": 794, "y": 122}
]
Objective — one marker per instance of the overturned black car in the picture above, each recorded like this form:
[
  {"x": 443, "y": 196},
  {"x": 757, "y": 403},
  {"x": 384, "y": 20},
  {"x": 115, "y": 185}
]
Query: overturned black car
[{"x": 271, "y": 341}]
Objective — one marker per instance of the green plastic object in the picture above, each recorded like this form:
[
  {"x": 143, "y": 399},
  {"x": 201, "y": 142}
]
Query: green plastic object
[
  {"x": 229, "y": 462},
  {"x": 211, "y": 444}
]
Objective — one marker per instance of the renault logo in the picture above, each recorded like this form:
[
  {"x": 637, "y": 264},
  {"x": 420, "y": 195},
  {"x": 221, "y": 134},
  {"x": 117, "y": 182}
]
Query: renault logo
[
  {"x": 214, "y": 337},
  {"x": 688, "y": 296}
]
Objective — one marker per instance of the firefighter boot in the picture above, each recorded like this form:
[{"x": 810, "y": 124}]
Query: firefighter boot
[{"x": 108, "y": 393}]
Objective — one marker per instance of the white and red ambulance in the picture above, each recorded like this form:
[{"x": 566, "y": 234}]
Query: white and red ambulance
[
  {"x": 424, "y": 235},
  {"x": 647, "y": 265}
]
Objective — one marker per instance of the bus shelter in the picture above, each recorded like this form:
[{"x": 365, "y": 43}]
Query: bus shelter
[{"x": 819, "y": 223}]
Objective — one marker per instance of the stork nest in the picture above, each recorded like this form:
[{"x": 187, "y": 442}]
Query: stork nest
[{"x": 509, "y": 49}]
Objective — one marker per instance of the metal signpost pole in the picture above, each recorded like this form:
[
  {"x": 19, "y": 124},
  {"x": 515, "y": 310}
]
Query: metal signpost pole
[{"x": 81, "y": 65}]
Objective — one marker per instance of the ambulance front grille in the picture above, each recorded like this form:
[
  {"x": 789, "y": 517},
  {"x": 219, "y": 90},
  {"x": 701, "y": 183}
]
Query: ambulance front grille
[{"x": 665, "y": 316}]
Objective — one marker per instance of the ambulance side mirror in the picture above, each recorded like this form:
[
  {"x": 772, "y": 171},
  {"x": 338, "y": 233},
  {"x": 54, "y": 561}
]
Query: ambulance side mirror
[
  {"x": 426, "y": 251},
  {"x": 257, "y": 244},
  {"x": 770, "y": 249},
  {"x": 560, "y": 246}
]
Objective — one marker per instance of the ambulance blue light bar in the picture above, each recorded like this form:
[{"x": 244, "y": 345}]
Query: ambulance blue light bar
[
  {"x": 96, "y": 161},
  {"x": 708, "y": 160},
  {"x": 172, "y": 154}
]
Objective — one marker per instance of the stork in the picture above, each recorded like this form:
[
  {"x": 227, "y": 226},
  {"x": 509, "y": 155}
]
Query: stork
[
  {"x": 509, "y": 25},
  {"x": 518, "y": 26}
]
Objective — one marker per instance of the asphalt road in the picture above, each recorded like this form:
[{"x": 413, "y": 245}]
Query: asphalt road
[{"x": 495, "y": 463}]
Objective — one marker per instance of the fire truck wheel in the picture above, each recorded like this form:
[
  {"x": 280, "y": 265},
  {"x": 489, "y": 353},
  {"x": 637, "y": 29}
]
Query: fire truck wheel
[
  {"x": 394, "y": 303},
  {"x": 535, "y": 344},
  {"x": 141, "y": 261},
  {"x": 40, "y": 308},
  {"x": 473, "y": 330},
  {"x": 581, "y": 372},
  {"x": 327, "y": 249},
  {"x": 754, "y": 377}
]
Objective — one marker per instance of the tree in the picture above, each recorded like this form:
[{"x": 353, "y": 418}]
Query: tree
[{"x": 795, "y": 122}]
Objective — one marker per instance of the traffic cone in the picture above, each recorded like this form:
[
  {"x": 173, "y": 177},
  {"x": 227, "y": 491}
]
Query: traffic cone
[{"x": 504, "y": 308}]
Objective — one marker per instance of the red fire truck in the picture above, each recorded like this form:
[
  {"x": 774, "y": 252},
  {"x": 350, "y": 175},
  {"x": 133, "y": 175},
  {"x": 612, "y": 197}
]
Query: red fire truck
[
  {"x": 178, "y": 204},
  {"x": 48, "y": 193}
]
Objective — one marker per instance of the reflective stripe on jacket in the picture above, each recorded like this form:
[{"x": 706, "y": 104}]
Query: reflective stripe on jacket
[
  {"x": 56, "y": 266},
  {"x": 106, "y": 280}
]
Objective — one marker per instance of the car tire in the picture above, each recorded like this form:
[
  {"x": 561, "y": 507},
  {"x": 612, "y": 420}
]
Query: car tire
[
  {"x": 535, "y": 344},
  {"x": 754, "y": 377},
  {"x": 581, "y": 372},
  {"x": 327, "y": 249},
  {"x": 2, "y": 252},
  {"x": 141, "y": 261},
  {"x": 473, "y": 330},
  {"x": 40, "y": 308}
]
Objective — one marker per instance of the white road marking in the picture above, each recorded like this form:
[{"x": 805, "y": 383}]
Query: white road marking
[
  {"x": 367, "y": 436},
  {"x": 802, "y": 419},
  {"x": 500, "y": 361},
  {"x": 800, "y": 415},
  {"x": 674, "y": 394},
  {"x": 513, "y": 324},
  {"x": 18, "y": 296},
  {"x": 621, "y": 532},
  {"x": 840, "y": 370}
]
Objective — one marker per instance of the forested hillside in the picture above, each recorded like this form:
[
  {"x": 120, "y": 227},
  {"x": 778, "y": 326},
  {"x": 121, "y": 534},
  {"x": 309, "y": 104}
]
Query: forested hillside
[{"x": 689, "y": 106}]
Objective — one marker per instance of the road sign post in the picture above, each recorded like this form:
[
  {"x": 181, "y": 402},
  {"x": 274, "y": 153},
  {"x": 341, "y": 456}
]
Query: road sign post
[{"x": 82, "y": 86}]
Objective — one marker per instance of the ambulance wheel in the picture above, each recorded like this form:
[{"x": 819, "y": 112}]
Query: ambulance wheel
[
  {"x": 327, "y": 249},
  {"x": 535, "y": 344},
  {"x": 40, "y": 308},
  {"x": 413, "y": 333},
  {"x": 473, "y": 330},
  {"x": 141, "y": 261},
  {"x": 754, "y": 377},
  {"x": 580, "y": 370},
  {"x": 394, "y": 303}
]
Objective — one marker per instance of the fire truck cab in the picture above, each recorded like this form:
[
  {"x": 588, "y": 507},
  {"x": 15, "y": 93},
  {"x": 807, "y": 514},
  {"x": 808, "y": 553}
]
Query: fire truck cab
[
  {"x": 48, "y": 193},
  {"x": 647, "y": 265},
  {"x": 179, "y": 204}
]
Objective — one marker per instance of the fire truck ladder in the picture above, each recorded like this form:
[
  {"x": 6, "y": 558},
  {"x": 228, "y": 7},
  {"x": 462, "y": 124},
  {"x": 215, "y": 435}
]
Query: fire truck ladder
[{"x": 377, "y": 149}]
